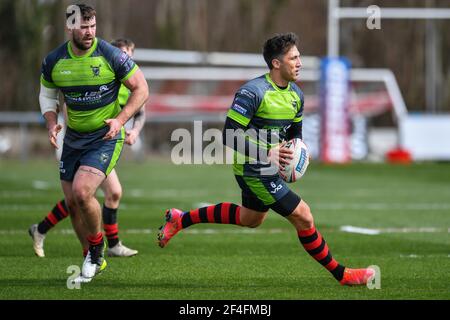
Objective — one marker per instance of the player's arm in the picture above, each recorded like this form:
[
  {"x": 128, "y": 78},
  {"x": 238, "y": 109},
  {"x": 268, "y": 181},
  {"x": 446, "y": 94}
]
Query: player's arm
[
  {"x": 139, "y": 95},
  {"x": 241, "y": 140},
  {"x": 48, "y": 102},
  {"x": 236, "y": 136},
  {"x": 138, "y": 125}
]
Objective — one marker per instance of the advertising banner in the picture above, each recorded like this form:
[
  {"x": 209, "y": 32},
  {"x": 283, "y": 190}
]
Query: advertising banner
[{"x": 335, "y": 141}]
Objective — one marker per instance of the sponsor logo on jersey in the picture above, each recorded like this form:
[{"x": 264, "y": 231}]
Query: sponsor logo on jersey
[
  {"x": 239, "y": 109},
  {"x": 247, "y": 93},
  {"x": 89, "y": 97},
  {"x": 67, "y": 72},
  {"x": 123, "y": 57}
]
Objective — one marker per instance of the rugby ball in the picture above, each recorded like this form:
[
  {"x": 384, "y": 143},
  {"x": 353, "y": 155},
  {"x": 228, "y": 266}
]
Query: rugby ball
[{"x": 298, "y": 165}]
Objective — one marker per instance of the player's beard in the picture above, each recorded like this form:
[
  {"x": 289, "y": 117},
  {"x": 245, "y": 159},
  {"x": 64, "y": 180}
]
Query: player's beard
[{"x": 80, "y": 45}]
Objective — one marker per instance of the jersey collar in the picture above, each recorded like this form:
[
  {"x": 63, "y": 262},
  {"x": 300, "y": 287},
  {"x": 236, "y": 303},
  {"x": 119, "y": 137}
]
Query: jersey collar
[
  {"x": 87, "y": 54},
  {"x": 269, "y": 79}
]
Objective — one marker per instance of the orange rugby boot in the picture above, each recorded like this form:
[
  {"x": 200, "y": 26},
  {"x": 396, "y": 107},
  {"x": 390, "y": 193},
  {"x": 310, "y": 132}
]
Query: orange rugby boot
[
  {"x": 171, "y": 227},
  {"x": 354, "y": 277}
]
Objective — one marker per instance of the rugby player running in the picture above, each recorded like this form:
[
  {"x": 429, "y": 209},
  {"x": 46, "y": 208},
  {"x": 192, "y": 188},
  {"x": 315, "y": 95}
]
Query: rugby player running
[{"x": 275, "y": 103}]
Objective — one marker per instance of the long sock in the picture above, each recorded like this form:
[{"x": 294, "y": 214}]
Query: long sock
[
  {"x": 224, "y": 213},
  {"x": 110, "y": 225},
  {"x": 315, "y": 245},
  {"x": 95, "y": 240},
  {"x": 58, "y": 213},
  {"x": 95, "y": 247}
]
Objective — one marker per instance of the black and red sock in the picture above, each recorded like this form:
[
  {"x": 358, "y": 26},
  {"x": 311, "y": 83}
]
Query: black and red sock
[
  {"x": 96, "y": 247},
  {"x": 224, "y": 213},
  {"x": 110, "y": 226},
  {"x": 95, "y": 240},
  {"x": 58, "y": 213},
  {"x": 315, "y": 245}
]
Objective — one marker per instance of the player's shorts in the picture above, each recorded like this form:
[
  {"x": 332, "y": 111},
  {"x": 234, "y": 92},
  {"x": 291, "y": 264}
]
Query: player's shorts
[
  {"x": 267, "y": 192},
  {"x": 88, "y": 149}
]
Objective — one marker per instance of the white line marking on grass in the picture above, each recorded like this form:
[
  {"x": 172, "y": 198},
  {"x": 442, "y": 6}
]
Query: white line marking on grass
[
  {"x": 136, "y": 193},
  {"x": 410, "y": 256},
  {"x": 414, "y": 230},
  {"x": 202, "y": 204},
  {"x": 368, "y": 231},
  {"x": 17, "y": 194},
  {"x": 137, "y": 231},
  {"x": 10, "y": 208},
  {"x": 40, "y": 185},
  {"x": 420, "y": 256},
  {"x": 352, "y": 229}
]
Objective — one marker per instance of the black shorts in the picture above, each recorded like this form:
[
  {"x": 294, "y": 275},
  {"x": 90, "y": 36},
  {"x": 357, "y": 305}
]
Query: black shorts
[
  {"x": 89, "y": 150},
  {"x": 267, "y": 192}
]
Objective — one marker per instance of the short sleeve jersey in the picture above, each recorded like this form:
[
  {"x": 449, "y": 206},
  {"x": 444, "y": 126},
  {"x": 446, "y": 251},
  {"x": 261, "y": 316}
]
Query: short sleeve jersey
[
  {"x": 261, "y": 104},
  {"x": 90, "y": 83}
]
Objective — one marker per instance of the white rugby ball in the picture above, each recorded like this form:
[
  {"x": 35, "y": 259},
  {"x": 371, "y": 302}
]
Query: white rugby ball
[{"x": 298, "y": 165}]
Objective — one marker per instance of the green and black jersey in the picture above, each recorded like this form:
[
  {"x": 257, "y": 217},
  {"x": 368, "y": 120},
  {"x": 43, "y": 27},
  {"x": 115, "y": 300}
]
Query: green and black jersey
[
  {"x": 90, "y": 83},
  {"x": 261, "y": 104}
]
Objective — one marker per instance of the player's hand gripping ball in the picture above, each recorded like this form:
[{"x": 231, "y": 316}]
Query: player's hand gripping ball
[{"x": 298, "y": 165}]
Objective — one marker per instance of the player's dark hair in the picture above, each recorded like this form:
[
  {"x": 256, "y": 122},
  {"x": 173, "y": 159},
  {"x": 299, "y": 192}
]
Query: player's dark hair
[
  {"x": 277, "y": 46},
  {"x": 123, "y": 43},
  {"x": 87, "y": 12}
]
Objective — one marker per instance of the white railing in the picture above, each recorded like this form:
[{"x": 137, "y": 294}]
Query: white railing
[{"x": 210, "y": 58}]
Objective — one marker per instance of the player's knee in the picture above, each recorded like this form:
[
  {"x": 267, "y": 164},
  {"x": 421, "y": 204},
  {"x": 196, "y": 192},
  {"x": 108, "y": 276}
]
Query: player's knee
[
  {"x": 81, "y": 195},
  {"x": 113, "y": 197}
]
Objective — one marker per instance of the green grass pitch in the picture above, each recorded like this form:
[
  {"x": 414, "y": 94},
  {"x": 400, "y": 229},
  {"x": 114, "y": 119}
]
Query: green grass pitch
[{"x": 409, "y": 205}]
